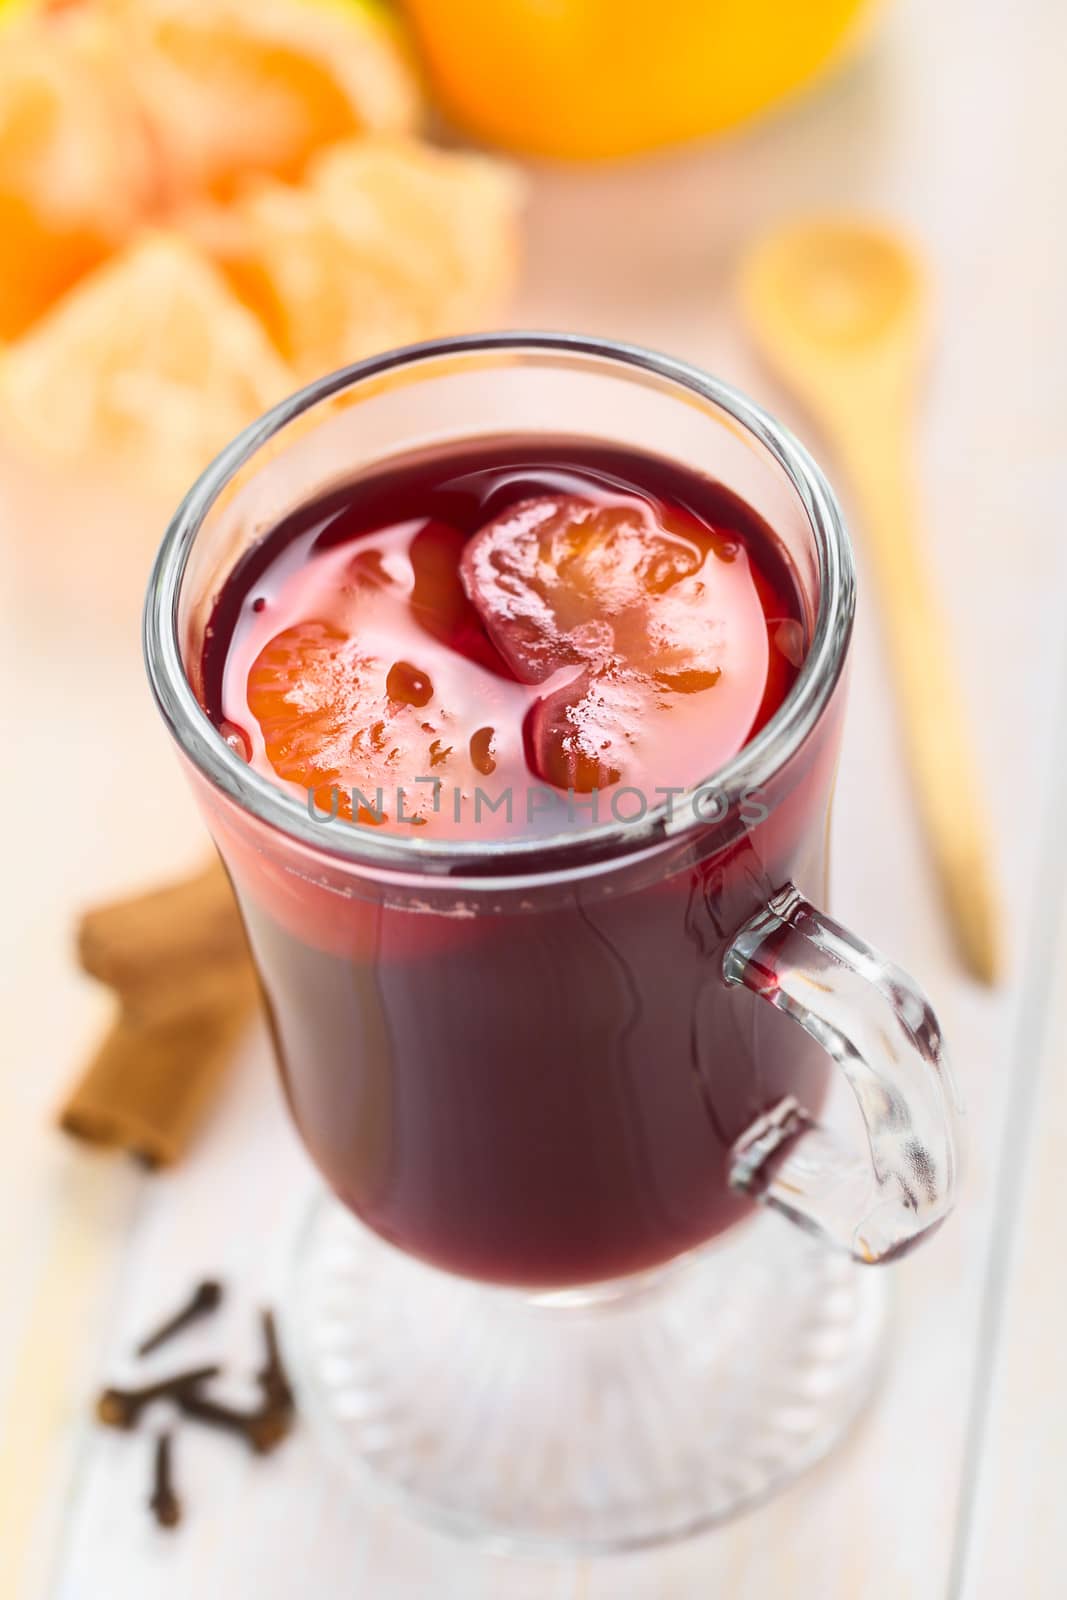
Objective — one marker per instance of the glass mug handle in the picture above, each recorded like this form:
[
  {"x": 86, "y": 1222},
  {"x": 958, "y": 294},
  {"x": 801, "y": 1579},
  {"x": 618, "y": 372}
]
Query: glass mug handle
[{"x": 877, "y": 1026}]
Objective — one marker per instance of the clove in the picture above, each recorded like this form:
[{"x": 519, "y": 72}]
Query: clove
[
  {"x": 272, "y": 1377},
  {"x": 205, "y": 1297},
  {"x": 121, "y": 1408},
  {"x": 164, "y": 1503},
  {"x": 262, "y": 1430}
]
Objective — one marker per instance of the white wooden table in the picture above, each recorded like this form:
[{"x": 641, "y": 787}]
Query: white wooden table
[{"x": 952, "y": 1485}]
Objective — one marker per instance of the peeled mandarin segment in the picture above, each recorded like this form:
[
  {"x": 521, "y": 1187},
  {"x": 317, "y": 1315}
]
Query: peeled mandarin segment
[
  {"x": 388, "y": 241},
  {"x": 149, "y": 363},
  {"x": 562, "y": 580},
  {"x": 322, "y": 303},
  {"x": 76, "y": 166},
  {"x": 237, "y": 86},
  {"x": 445, "y": 221},
  {"x": 616, "y": 723},
  {"x": 510, "y": 570},
  {"x": 330, "y": 714},
  {"x": 664, "y": 622},
  {"x": 581, "y": 737},
  {"x": 439, "y": 603},
  {"x": 224, "y": 234},
  {"x": 301, "y": 688}
]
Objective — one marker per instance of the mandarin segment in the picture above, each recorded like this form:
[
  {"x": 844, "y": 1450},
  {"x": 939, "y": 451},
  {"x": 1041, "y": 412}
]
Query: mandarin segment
[
  {"x": 388, "y": 241},
  {"x": 581, "y": 737},
  {"x": 302, "y": 687},
  {"x": 446, "y": 221},
  {"x": 440, "y": 603},
  {"x": 333, "y": 717},
  {"x": 231, "y": 87},
  {"x": 150, "y": 363},
  {"x": 561, "y": 580},
  {"x": 655, "y": 611},
  {"x": 76, "y": 165}
]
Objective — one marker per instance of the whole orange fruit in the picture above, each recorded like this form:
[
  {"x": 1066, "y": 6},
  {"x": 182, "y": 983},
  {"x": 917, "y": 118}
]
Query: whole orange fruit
[{"x": 594, "y": 78}]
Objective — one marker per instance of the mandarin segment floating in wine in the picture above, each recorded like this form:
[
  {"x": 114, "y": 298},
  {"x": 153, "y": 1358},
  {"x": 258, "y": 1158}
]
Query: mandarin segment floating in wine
[
  {"x": 651, "y": 602},
  {"x": 563, "y": 580},
  {"x": 331, "y": 714},
  {"x": 580, "y": 737}
]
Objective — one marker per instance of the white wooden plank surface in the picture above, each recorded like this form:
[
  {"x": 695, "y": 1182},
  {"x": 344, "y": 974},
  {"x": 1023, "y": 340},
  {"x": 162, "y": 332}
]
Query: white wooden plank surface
[
  {"x": 948, "y": 126},
  {"x": 1010, "y": 1532}
]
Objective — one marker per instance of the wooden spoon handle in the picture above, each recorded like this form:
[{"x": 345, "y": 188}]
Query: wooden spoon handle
[{"x": 945, "y": 772}]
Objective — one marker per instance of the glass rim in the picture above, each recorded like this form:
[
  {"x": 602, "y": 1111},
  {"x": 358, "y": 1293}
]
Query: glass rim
[{"x": 534, "y": 856}]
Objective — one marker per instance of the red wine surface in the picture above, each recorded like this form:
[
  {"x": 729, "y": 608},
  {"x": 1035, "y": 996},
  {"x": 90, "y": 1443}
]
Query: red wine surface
[{"x": 461, "y": 640}]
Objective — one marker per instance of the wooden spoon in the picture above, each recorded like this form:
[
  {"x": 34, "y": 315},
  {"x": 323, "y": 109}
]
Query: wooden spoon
[{"x": 838, "y": 309}]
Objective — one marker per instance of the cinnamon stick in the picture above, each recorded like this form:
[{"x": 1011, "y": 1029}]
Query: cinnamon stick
[
  {"x": 164, "y": 952},
  {"x": 177, "y": 961}
]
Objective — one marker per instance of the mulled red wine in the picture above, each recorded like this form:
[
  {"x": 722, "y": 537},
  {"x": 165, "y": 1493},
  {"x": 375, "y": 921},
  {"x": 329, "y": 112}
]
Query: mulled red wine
[{"x": 523, "y": 638}]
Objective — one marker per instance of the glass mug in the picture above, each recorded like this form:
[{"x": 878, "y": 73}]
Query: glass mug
[{"x": 558, "y": 1067}]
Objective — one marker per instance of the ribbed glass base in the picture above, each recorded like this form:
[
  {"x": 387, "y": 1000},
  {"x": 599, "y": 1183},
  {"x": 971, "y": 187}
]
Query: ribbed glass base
[{"x": 591, "y": 1420}]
